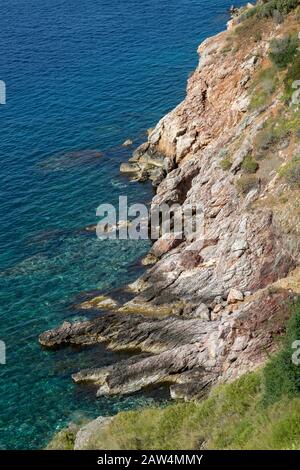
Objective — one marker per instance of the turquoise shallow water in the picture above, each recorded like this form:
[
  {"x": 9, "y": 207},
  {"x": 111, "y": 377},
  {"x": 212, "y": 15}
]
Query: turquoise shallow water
[{"x": 82, "y": 76}]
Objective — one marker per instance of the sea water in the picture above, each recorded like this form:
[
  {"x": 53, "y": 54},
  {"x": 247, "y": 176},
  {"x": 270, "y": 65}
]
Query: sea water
[{"x": 81, "y": 77}]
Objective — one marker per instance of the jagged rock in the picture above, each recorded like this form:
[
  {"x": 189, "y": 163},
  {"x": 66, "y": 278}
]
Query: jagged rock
[
  {"x": 202, "y": 312},
  {"x": 240, "y": 343},
  {"x": 163, "y": 367},
  {"x": 166, "y": 243},
  {"x": 129, "y": 168},
  {"x": 250, "y": 63},
  {"x": 149, "y": 259},
  {"x": 192, "y": 384},
  {"x": 217, "y": 308},
  {"x": 234, "y": 296},
  {"x": 99, "y": 302},
  {"x": 141, "y": 150},
  {"x": 184, "y": 143},
  {"x": 155, "y": 161},
  {"x": 127, "y": 143},
  {"x": 131, "y": 332},
  {"x": 156, "y": 176},
  {"x": 241, "y": 104},
  {"x": 177, "y": 345},
  {"x": 239, "y": 246}
]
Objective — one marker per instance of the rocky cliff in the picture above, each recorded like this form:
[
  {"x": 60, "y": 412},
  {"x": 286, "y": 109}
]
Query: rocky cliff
[{"x": 211, "y": 308}]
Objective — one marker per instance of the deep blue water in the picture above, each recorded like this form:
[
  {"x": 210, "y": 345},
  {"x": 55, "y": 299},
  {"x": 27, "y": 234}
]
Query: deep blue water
[{"x": 82, "y": 76}]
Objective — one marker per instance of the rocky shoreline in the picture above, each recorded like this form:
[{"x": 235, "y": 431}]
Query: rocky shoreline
[{"x": 208, "y": 309}]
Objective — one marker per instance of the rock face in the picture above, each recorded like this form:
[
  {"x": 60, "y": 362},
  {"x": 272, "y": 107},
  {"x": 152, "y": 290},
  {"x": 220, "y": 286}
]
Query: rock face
[
  {"x": 190, "y": 353},
  {"x": 84, "y": 436},
  {"x": 212, "y": 304}
]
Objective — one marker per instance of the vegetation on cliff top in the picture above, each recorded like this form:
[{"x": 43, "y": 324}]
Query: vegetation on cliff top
[{"x": 267, "y": 8}]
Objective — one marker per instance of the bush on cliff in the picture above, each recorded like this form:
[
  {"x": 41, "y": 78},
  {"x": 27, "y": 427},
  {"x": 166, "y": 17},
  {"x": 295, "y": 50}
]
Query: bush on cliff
[
  {"x": 264, "y": 141},
  {"x": 282, "y": 6},
  {"x": 267, "y": 9},
  {"x": 292, "y": 75},
  {"x": 245, "y": 183},
  {"x": 263, "y": 87},
  {"x": 291, "y": 173},
  {"x": 276, "y": 131},
  {"x": 64, "y": 439},
  {"x": 282, "y": 375},
  {"x": 282, "y": 51},
  {"x": 226, "y": 163},
  {"x": 249, "y": 164}
]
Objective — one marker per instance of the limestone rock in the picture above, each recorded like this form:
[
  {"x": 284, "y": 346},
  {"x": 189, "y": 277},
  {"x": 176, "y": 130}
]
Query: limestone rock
[
  {"x": 202, "y": 312},
  {"x": 166, "y": 243},
  {"x": 234, "y": 296},
  {"x": 149, "y": 260},
  {"x": 129, "y": 168},
  {"x": 99, "y": 302},
  {"x": 84, "y": 436}
]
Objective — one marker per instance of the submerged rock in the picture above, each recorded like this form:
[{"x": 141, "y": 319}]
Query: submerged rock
[
  {"x": 99, "y": 302},
  {"x": 149, "y": 260}
]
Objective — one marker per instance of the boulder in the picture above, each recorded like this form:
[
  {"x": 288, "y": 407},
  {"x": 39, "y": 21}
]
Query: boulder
[
  {"x": 165, "y": 244},
  {"x": 129, "y": 168},
  {"x": 202, "y": 312},
  {"x": 234, "y": 296},
  {"x": 87, "y": 433}
]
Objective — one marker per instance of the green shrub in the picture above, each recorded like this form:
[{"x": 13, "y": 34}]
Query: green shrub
[
  {"x": 264, "y": 140},
  {"x": 257, "y": 36},
  {"x": 281, "y": 375},
  {"x": 245, "y": 183},
  {"x": 258, "y": 100},
  {"x": 291, "y": 172},
  {"x": 287, "y": 124},
  {"x": 263, "y": 87},
  {"x": 292, "y": 75},
  {"x": 249, "y": 164},
  {"x": 277, "y": 17},
  {"x": 226, "y": 163},
  {"x": 282, "y": 51},
  {"x": 275, "y": 131},
  {"x": 282, "y": 6},
  {"x": 64, "y": 439},
  {"x": 266, "y": 9}
]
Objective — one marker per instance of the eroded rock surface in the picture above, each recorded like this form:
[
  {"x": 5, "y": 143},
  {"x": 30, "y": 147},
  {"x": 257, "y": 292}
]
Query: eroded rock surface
[{"x": 213, "y": 303}]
